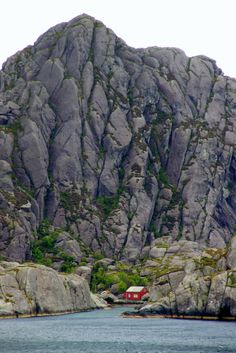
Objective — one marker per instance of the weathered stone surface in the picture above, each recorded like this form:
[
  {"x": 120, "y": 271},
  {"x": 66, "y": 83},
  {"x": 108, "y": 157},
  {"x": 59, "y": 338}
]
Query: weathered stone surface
[
  {"x": 108, "y": 297},
  {"x": 231, "y": 258},
  {"x": 36, "y": 290},
  {"x": 68, "y": 245},
  {"x": 87, "y": 122},
  {"x": 84, "y": 272},
  {"x": 129, "y": 152},
  {"x": 99, "y": 301},
  {"x": 194, "y": 282}
]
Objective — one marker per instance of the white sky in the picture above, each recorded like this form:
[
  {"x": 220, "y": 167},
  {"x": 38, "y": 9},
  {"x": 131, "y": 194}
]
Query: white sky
[{"x": 196, "y": 26}]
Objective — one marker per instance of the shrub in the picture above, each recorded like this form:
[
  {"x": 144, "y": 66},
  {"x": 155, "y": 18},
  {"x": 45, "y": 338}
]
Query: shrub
[
  {"x": 162, "y": 177},
  {"x": 101, "y": 279},
  {"x": 108, "y": 203}
]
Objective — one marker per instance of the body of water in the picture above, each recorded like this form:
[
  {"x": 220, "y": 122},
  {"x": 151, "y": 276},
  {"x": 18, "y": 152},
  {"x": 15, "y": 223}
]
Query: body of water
[{"x": 105, "y": 331}]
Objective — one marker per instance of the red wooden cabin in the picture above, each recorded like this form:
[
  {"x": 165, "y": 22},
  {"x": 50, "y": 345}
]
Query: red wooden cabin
[{"x": 135, "y": 293}]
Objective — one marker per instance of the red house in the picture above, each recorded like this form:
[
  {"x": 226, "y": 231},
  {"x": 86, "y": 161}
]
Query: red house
[{"x": 135, "y": 293}]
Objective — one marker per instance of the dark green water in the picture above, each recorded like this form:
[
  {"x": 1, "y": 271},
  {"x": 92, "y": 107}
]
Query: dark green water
[{"x": 106, "y": 332}]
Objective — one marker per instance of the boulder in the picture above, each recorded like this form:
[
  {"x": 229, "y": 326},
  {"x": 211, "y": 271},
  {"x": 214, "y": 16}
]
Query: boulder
[{"x": 31, "y": 290}]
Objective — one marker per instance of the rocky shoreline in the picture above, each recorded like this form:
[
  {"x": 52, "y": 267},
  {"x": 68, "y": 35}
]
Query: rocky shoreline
[
  {"x": 136, "y": 315},
  {"x": 27, "y": 316},
  {"x": 28, "y": 290}
]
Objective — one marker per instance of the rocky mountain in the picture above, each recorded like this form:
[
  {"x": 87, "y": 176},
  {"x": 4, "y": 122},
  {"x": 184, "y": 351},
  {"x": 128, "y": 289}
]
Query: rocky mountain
[{"x": 104, "y": 149}]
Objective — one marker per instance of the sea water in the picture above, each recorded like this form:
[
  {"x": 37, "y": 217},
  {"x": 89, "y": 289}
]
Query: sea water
[{"x": 106, "y": 331}]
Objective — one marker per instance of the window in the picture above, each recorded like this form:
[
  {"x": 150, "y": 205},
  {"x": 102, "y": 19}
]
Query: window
[{"x": 135, "y": 296}]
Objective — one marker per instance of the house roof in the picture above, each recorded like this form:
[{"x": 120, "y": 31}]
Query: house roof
[{"x": 135, "y": 289}]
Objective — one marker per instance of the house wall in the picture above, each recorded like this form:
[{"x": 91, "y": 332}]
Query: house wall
[{"x": 134, "y": 296}]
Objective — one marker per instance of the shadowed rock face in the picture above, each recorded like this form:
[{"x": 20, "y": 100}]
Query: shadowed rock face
[{"x": 114, "y": 144}]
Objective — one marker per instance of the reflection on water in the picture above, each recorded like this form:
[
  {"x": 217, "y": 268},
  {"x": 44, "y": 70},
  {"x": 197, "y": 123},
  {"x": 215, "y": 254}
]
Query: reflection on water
[{"x": 105, "y": 331}]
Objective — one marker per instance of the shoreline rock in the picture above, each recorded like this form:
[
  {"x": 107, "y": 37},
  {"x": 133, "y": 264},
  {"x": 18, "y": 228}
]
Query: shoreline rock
[
  {"x": 28, "y": 290},
  {"x": 133, "y": 315}
]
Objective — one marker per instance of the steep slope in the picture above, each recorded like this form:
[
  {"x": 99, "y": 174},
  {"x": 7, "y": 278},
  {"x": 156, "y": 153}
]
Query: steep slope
[{"x": 113, "y": 146}]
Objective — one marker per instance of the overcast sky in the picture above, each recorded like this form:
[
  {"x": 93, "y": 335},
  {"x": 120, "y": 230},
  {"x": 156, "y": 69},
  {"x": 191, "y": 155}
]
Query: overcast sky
[{"x": 196, "y": 26}]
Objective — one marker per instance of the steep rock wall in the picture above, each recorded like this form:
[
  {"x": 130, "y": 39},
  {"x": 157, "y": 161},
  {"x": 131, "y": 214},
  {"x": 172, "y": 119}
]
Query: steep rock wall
[{"x": 115, "y": 145}]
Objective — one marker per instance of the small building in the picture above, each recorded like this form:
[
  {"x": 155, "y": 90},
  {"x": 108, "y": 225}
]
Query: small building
[{"x": 135, "y": 293}]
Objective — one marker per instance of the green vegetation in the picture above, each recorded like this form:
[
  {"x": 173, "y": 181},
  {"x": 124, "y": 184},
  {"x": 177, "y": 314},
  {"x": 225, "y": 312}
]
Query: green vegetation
[
  {"x": 14, "y": 127},
  {"x": 43, "y": 248},
  {"x": 162, "y": 178},
  {"x": 102, "y": 152},
  {"x": 154, "y": 230},
  {"x": 168, "y": 221},
  {"x": 205, "y": 261},
  {"x": 67, "y": 76},
  {"x": 8, "y": 86},
  {"x": 109, "y": 203},
  {"x": 68, "y": 264},
  {"x": 65, "y": 199},
  {"x": 231, "y": 282},
  {"x": 162, "y": 117},
  {"x": 44, "y": 251},
  {"x": 70, "y": 200},
  {"x": 123, "y": 278}
]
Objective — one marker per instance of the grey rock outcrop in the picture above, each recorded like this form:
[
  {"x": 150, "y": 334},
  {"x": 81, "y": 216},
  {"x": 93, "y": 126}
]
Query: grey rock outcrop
[
  {"x": 191, "y": 281},
  {"x": 29, "y": 290},
  {"x": 114, "y": 144}
]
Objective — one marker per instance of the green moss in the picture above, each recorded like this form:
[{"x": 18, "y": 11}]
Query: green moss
[
  {"x": 216, "y": 253},
  {"x": 162, "y": 178},
  {"x": 165, "y": 269},
  {"x": 205, "y": 261},
  {"x": 162, "y": 244},
  {"x": 231, "y": 281},
  {"x": 67, "y": 76}
]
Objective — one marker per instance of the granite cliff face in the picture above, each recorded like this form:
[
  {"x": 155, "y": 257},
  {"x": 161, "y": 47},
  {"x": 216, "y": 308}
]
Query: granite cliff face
[
  {"x": 115, "y": 145},
  {"x": 125, "y": 153}
]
